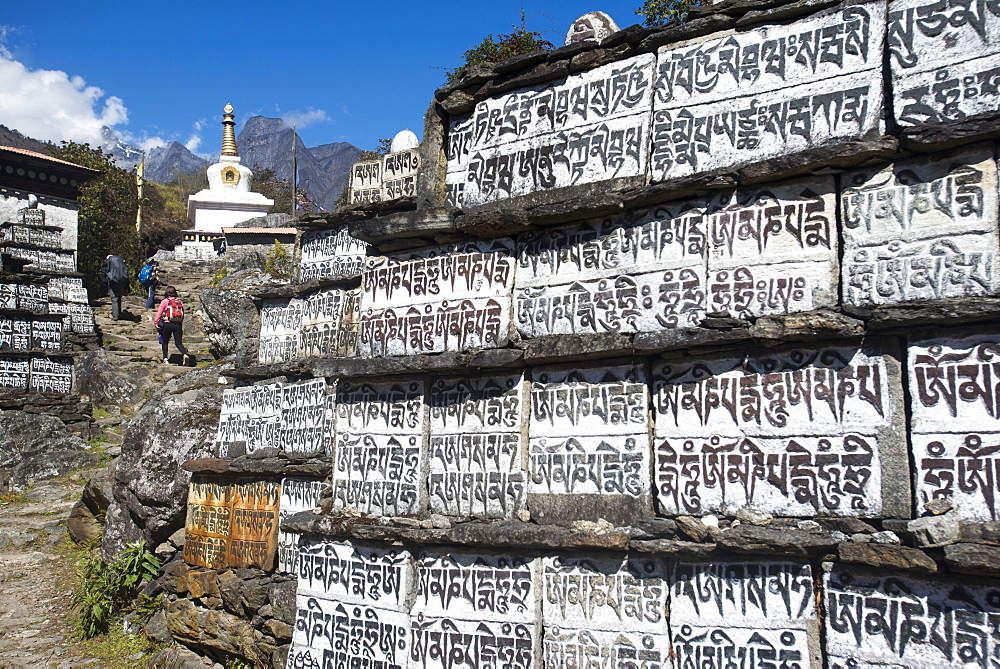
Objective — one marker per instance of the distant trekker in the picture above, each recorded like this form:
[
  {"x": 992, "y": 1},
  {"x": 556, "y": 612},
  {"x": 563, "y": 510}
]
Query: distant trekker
[
  {"x": 114, "y": 274},
  {"x": 169, "y": 320},
  {"x": 149, "y": 278}
]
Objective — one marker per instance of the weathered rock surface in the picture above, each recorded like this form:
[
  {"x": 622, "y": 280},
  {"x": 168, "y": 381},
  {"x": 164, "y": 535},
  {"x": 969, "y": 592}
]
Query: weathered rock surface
[
  {"x": 177, "y": 424},
  {"x": 973, "y": 559},
  {"x": 35, "y": 447},
  {"x": 229, "y": 315},
  {"x": 887, "y": 556},
  {"x": 108, "y": 383}
]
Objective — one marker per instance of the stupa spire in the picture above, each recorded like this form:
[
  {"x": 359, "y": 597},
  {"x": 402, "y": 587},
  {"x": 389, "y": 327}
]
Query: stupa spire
[{"x": 229, "y": 132}]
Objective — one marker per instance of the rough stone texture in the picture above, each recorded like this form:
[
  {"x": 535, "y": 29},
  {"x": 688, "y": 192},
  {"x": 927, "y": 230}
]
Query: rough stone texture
[
  {"x": 887, "y": 556},
  {"x": 214, "y": 631},
  {"x": 107, "y": 383},
  {"x": 179, "y": 657},
  {"x": 36, "y": 447},
  {"x": 776, "y": 541},
  {"x": 177, "y": 424},
  {"x": 230, "y": 319},
  {"x": 973, "y": 559},
  {"x": 934, "y": 531},
  {"x": 83, "y": 524}
]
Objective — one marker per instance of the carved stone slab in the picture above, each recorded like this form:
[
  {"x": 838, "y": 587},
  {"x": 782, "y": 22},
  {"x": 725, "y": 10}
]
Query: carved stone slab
[
  {"x": 797, "y": 434},
  {"x": 604, "y": 606},
  {"x": 354, "y": 573},
  {"x": 883, "y": 619},
  {"x": 587, "y": 127},
  {"x": 588, "y": 441},
  {"x": 79, "y": 317},
  {"x": 379, "y": 460},
  {"x": 323, "y": 324},
  {"x": 476, "y": 447},
  {"x": 474, "y": 610},
  {"x": 447, "y": 299},
  {"x": 753, "y": 610},
  {"x": 51, "y": 375},
  {"x": 232, "y": 523},
  {"x": 296, "y": 417},
  {"x": 922, "y": 229},
  {"x": 767, "y": 92},
  {"x": 956, "y": 423},
  {"x": 945, "y": 59},
  {"x": 331, "y": 253},
  {"x": 297, "y": 494},
  {"x": 14, "y": 373}
]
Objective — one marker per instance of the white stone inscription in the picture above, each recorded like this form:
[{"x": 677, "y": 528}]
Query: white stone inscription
[
  {"x": 331, "y": 254},
  {"x": 297, "y": 494},
  {"x": 795, "y": 434},
  {"x": 323, "y": 324},
  {"x": 922, "y": 229},
  {"x": 588, "y": 432},
  {"x": 295, "y": 417},
  {"x": 891, "y": 620},
  {"x": 476, "y": 447},
  {"x": 379, "y": 459}
]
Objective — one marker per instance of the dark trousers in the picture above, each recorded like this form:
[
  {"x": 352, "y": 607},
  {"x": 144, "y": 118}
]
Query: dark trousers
[
  {"x": 177, "y": 331},
  {"x": 115, "y": 291},
  {"x": 150, "y": 295}
]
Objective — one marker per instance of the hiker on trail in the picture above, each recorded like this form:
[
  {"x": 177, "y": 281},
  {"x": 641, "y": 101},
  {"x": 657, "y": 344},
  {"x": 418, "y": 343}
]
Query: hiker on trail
[
  {"x": 149, "y": 277},
  {"x": 114, "y": 274},
  {"x": 169, "y": 320}
]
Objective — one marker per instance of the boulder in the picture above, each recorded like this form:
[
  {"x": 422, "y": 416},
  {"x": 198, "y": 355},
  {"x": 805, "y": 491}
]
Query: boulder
[
  {"x": 177, "y": 424},
  {"x": 35, "y": 447},
  {"x": 101, "y": 377},
  {"x": 215, "y": 631},
  {"x": 228, "y": 314}
]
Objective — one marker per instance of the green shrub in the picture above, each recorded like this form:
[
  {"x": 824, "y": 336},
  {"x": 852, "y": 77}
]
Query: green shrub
[
  {"x": 658, "y": 12},
  {"x": 278, "y": 263},
  {"x": 105, "y": 590}
]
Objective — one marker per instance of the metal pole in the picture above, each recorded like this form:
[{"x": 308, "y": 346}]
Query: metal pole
[{"x": 295, "y": 173}]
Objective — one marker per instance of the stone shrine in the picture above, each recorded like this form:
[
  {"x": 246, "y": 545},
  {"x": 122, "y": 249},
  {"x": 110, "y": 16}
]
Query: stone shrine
[
  {"x": 227, "y": 201},
  {"x": 677, "y": 348},
  {"x": 45, "y": 315}
]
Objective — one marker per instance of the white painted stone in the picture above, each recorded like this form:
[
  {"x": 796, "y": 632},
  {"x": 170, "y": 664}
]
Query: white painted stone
[
  {"x": 295, "y": 417},
  {"x": 297, "y": 494},
  {"x": 809, "y": 392},
  {"x": 588, "y": 402},
  {"x": 331, "y": 253},
  {"x": 737, "y": 131},
  {"x": 623, "y": 648},
  {"x": 794, "y": 221},
  {"x": 764, "y": 290},
  {"x": 697, "y": 646},
  {"x": 925, "y": 35},
  {"x": 950, "y": 92},
  {"x": 756, "y": 595},
  {"x": 881, "y": 619},
  {"x": 609, "y": 594},
  {"x": 613, "y": 149},
  {"x": 475, "y": 447},
  {"x": 322, "y": 324},
  {"x": 355, "y": 574},
  {"x": 476, "y": 587},
  {"x": 329, "y": 633},
  {"x": 962, "y": 467},
  {"x": 642, "y": 303},
  {"x": 591, "y": 27},
  {"x": 797, "y": 476},
  {"x": 446, "y": 643},
  {"x": 773, "y": 57},
  {"x": 953, "y": 385},
  {"x": 58, "y": 212},
  {"x": 615, "y": 464}
]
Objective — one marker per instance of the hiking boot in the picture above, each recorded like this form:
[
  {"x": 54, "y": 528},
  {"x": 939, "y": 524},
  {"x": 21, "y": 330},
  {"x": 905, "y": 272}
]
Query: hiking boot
[{"x": 166, "y": 361}]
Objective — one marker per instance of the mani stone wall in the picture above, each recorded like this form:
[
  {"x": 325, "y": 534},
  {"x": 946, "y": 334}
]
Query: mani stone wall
[{"x": 683, "y": 353}]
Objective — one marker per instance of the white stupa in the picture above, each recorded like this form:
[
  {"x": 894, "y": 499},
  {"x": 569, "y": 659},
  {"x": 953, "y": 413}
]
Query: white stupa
[{"x": 228, "y": 199}]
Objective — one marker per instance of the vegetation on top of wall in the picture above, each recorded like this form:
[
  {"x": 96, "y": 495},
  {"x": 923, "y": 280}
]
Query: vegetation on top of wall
[
  {"x": 659, "y": 12},
  {"x": 496, "y": 48},
  {"x": 278, "y": 262},
  {"x": 107, "y": 213}
]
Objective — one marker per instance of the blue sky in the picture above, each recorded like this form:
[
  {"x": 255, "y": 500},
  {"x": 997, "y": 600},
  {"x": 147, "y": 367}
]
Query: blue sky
[{"x": 345, "y": 71}]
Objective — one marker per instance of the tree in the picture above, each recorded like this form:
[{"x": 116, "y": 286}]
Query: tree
[
  {"x": 495, "y": 48},
  {"x": 267, "y": 183},
  {"x": 658, "y": 12},
  {"x": 107, "y": 212}
]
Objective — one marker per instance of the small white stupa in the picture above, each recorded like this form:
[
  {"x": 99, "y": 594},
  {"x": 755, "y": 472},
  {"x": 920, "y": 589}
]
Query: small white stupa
[{"x": 228, "y": 199}]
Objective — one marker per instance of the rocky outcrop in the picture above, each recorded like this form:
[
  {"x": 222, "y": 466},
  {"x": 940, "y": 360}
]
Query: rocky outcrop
[
  {"x": 108, "y": 383},
  {"x": 35, "y": 447},
  {"x": 229, "y": 315},
  {"x": 177, "y": 424}
]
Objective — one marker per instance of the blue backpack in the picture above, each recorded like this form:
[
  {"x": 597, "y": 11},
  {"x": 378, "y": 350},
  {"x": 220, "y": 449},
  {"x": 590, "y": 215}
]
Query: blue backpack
[{"x": 146, "y": 275}]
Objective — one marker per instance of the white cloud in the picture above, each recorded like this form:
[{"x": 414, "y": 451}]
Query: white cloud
[
  {"x": 149, "y": 143},
  {"x": 52, "y": 105},
  {"x": 193, "y": 142},
  {"x": 306, "y": 118}
]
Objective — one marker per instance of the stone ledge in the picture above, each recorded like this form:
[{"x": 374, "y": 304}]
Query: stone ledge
[
  {"x": 292, "y": 290},
  {"x": 269, "y": 461}
]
